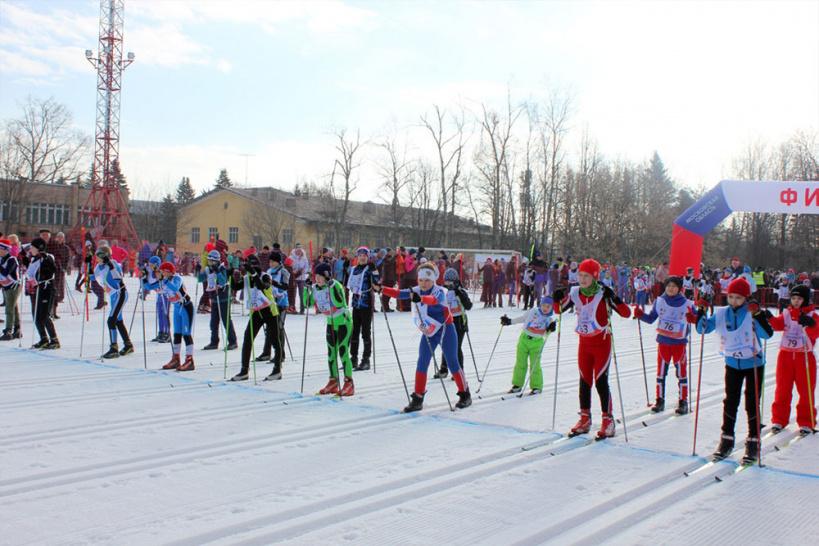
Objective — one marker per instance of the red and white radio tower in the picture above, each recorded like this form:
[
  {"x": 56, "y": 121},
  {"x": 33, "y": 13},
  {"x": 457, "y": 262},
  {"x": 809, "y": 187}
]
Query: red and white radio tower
[{"x": 105, "y": 215}]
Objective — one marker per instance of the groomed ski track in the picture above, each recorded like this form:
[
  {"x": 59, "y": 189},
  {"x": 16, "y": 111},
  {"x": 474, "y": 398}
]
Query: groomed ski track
[{"x": 106, "y": 452}]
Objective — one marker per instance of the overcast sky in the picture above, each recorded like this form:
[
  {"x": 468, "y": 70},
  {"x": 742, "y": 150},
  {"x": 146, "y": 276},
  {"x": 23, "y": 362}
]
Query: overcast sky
[{"x": 215, "y": 80}]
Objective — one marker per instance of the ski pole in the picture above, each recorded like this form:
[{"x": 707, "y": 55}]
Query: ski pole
[
  {"x": 249, "y": 301},
  {"x": 490, "y": 359},
  {"x": 394, "y": 348},
  {"x": 532, "y": 369},
  {"x": 806, "y": 341},
  {"x": 195, "y": 306},
  {"x": 372, "y": 323},
  {"x": 227, "y": 324},
  {"x": 617, "y": 374},
  {"x": 20, "y": 313},
  {"x": 306, "y": 308},
  {"x": 757, "y": 400},
  {"x": 699, "y": 384},
  {"x": 469, "y": 342},
  {"x": 144, "y": 341},
  {"x": 36, "y": 311},
  {"x": 643, "y": 357},
  {"x": 136, "y": 304},
  {"x": 557, "y": 365},
  {"x": 435, "y": 360},
  {"x": 85, "y": 311},
  {"x": 102, "y": 314}
]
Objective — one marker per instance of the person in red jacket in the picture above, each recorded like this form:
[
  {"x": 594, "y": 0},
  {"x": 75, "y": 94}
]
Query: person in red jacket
[
  {"x": 592, "y": 301},
  {"x": 796, "y": 363}
]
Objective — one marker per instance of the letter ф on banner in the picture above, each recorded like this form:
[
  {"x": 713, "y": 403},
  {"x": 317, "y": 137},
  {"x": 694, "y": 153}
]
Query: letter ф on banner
[{"x": 735, "y": 196}]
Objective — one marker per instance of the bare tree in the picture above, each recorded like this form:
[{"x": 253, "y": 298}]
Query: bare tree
[
  {"x": 395, "y": 171},
  {"x": 265, "y": 222},
  {"x": 336, "y": 194},
  {"x": 449, "y": 149},
  {"x": 46, "y": 146}
]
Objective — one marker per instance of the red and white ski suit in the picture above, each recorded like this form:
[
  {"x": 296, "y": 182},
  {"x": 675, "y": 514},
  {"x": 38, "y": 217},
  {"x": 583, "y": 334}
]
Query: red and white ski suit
[
  {"x": 595, "y": 348},
  {"x": 796, "y": 361}
]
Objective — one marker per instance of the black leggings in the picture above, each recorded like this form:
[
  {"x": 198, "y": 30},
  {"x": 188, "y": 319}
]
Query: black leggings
[
  {"x": 41, "y": 306},
  {"x": 262, "y": 317},
  {"x": 362, "y": 326},
  {"x": 733, "y": 393}
]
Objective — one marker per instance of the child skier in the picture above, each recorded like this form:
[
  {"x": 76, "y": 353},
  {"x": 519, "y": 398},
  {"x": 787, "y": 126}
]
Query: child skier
[
  {"x": 740, "y": 326},
  {"x": 783, "y": 292},
  {"x": 39, "y": 285},
  {"x": 108, "y": 275},
  {"x": 328, "y": 295},
  {"x": 10, "y": 281},
  {"x": 796, "y": 363},
  {"x": 457, "y": 299},
  {"x": 259, "y": 298},
  {"x": 673, "y": 309},
  {"x": 594, "y": 352},
  {"x": 215, "y": 279},
  {"x": 537, "y": 324},
  {"x": 279, "y": 283},
  {"x": 171, "y": 285},
  {"x": 640, "y": 282},
  {"x": 689, "y": 281},
  {"x": 433, "y": 317},
  {"x": 151, "y": 275},
  {"x": 359, "y": 282}
]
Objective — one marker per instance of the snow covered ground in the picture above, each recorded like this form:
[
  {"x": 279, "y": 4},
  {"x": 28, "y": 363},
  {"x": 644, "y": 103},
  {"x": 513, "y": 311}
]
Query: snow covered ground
[{"x": 109, "y": 452}]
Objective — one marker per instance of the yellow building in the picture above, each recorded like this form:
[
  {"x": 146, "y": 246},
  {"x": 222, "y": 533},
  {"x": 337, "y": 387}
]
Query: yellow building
[{"x": 262, "y": 216}]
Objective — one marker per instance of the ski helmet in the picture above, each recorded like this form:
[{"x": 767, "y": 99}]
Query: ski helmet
[
  {"x": 213, "y": 256},
  {"x": 155, "y": 260}
]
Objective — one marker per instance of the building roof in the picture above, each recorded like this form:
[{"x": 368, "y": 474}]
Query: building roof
[{"x": 316, "y": 208}]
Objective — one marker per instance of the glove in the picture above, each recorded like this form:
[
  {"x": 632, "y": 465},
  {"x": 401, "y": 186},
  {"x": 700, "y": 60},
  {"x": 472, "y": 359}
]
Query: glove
[
  {"x": 638, "y": 312},
  {"x": 806, "y": 320},
  {"x": 552, "y": 326},
  {"x": 371, "y": 266},
  {"x": 700, "y": 313},
  {"x": 608, "y": 293},
  {"x": 702, "y": 304},
  {"x": 88, "y": 258},
  {"x": 416, "y": 297},
  {"x": 198, "y": 268},
  {"x": 768, "y": 314},
  {"x": 558, "y": 295},
  {"x": 505, "y": 321},
  {"x": 376, "y": 286},
  {"x": 753, "y": 307},
  {"x": 308, "y": 281},
  {"x": 143, "y": 273}
]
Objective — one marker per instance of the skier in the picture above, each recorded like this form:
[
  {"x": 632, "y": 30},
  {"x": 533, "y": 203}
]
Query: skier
[
  {"x": 359, "y": 282},
  {"x": 259, "y": 298},
  {"x": 301, "y": 271},
  {"x": 215, "y": 279},
  {"x": 672, "y": 309},
  {"x": 796, "y": 363},
  {"x": 434, "y": 319},
  {"x": 740, "y": 326},
  {"x": 39, "y": 278},
  {"x": 328, "y": 295},
  {"x": 457, "y": 299},
  {"x": 536, "y": 323},
  {"x": 640, "y": 282},
  {"x": 279, "y": 282},
  {"x": 171, "y": 285},
  {"x": 594, "y": 351},
  {"x": 10, "y": 281},
  {"x": 689, "y": 282},
  {"x": 151, "y": 275},
  {"x": 108, "y": 275}
]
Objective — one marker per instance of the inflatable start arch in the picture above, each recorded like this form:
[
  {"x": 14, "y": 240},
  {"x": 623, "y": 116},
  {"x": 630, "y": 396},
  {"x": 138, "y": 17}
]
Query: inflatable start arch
[{"x": 735, "y": 196}]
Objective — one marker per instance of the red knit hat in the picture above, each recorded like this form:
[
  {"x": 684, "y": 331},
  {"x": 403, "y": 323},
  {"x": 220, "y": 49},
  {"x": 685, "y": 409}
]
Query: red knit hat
[
  {"x": 591, "y": 267},
  {"x": 740, "y": 287},
  {"x": 167, "y": 266}
]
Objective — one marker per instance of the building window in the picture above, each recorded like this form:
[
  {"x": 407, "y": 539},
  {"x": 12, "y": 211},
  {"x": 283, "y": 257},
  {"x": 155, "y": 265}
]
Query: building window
[
  {"x": 233, "y": 235},
  {"x": 212, "y": 233},
  {"x": 194, "y": 234},
  {"x": 62, "y": 215},
  {"x": 257, "y": 241},
  {"x": 329, "y": 238},
  {"x": 287, "y": 236},
  {"x": 8, "y": 211},
  {"x": 346, "y": 239},
  {"x": 290, "y": 203},
  {"x": 380, "y": 241}
]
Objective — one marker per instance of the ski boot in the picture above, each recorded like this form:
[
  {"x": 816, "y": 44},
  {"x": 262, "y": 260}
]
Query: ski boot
[
  {"x": 364, "y": 365},
  {"x": 659, "y": 406},
  {"x": 232, "y": 346},
  {"x": 751, "y": 451},
  {"x": 127, "y": 349},
  {"x": 331, "y": 387},
  {"x": 173, "y": 364},
  {"x": 53, "y": 344},
  {"x": 6, "y": 336},
  {"x": 264, "y": 356},
  {"x": 348, "y": 389},
  {"x": 211, "y": 346},
  {"x": 776, "y": 428},
  {"x": 416, "y": 403},
  {"x": 726, "y": 445},
  {"x": 40, "y": 344},
  {"x": 583, "y": 425},
  {"x": 442, "y": 372},
  {"x": 607, "y": 428},
  {"x": 805, "y": 430},
  {"x": 464, "y": 399},
  {"x": 535, "y": 391},
  {"x": 241, "y": 376},
  {"x": 514, "y": 390},
  {"x": 275, "y": 374},
  {"x": 354, "y": 361},
  {"x": 187, "y": 366},
  {"x": 113, "y": 351},
  {"x": 16, "y": 334},
  {"x": 682, "y": 407}
]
